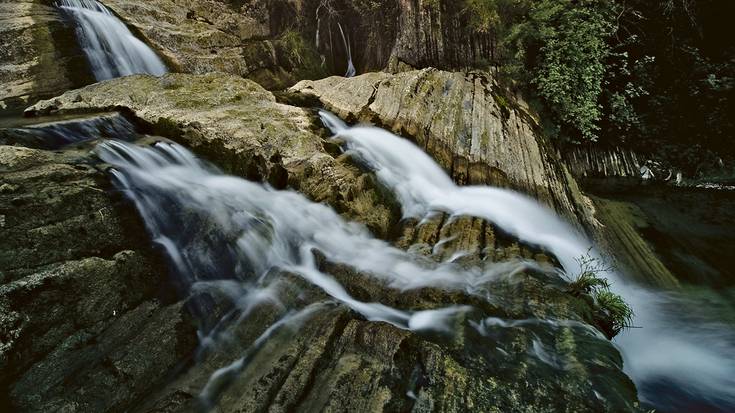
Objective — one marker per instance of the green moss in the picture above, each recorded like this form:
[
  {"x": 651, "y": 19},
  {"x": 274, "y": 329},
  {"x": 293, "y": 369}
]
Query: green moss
[
  {"x": 166, "y": 127},
  {"x": 503, "y": 104},
  {"x": 302, "y": 56}
]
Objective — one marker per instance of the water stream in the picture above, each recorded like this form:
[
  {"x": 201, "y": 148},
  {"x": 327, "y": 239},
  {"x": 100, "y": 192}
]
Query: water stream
[
  {"x": 679, "y": 360},
  {"x": 112, "y": 50},
  {"x": 241, "y": 237}
]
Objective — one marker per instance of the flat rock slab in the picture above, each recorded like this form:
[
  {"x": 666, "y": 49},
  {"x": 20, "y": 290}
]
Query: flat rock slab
[{"x": 240, "y": 126}]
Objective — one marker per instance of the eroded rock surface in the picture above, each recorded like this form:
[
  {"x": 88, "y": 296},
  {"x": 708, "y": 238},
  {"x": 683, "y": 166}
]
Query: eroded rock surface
[
  {"x": 84, "y": 325},
  {"x": 39, "y": 56},
  {"x": 466, "y": 122}
]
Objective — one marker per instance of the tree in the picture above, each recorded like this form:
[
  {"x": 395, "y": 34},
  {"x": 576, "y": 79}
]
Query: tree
[{"x": 568, "y": 42}]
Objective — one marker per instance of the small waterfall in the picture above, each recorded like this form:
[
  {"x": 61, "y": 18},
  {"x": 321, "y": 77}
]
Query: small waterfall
[
  {"x": 422, "y": 187},
  {"x": 350, "y": 67},
  {"x": 681, "y": 358},
  {"x": 111, "y": 48},
  {"x": 55, "y": 135}
]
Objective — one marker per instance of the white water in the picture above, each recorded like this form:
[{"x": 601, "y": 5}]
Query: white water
[
  {"x": 111, "y": 48},
  {"x": 267, "y": 232},
  {"x": 695, "y": 356}
]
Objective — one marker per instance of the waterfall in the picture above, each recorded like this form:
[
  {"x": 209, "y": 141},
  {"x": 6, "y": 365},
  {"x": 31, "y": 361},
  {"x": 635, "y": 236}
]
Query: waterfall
[
  {"x": 678, "y": 351},
  {"x": 55, "y": 135},
  {"x": 350, "y": 67},
  {"x": 240, "y": 238},
  {"x": 111, "y": 48}
]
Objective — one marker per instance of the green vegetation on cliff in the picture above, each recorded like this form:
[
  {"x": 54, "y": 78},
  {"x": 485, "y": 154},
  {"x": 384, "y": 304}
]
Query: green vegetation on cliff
[{"x": 655, "y": 75}]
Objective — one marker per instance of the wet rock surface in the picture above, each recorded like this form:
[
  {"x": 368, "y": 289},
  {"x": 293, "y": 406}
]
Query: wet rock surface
[{"x": 85, "y": 322}]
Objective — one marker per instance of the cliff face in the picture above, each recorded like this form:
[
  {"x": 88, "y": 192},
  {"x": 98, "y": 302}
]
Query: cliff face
[
  {"x": 438, "y": 34},
  {"x": 280, "y": 42},
  {"x": 39, "y": 56}
]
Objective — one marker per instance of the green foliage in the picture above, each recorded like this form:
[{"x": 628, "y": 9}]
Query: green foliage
[
  {"x": 615, "y": 312},
  {"x": 563, "y": 44},
  {"x": 588, "y": 281},
  {"x": 559, "y": 47},
  {"x": 654, "y": 75},
  {"x": 299, "y": 54},
  {"x": 483, "y": 14},
  {"x": 681, "y": 55}
]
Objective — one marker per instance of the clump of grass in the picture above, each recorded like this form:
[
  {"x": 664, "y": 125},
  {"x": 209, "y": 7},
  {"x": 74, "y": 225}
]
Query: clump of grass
[
  {"x": 613, "y": 314},
  {"x": 617, "y": 311},
  {"x": 589, "y": 280}
]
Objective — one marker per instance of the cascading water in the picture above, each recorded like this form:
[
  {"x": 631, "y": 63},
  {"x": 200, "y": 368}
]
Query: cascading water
[
  {"x": 351, "y": 71},
  {"x": 240, "y": 238},
  {"x": 679, "y": 359},
  {"x": 55, "y": 135},
  {"x": 111, "y": 48},
  {"x": 245, "y": 241},
  {"x": 268, "y": 238}
]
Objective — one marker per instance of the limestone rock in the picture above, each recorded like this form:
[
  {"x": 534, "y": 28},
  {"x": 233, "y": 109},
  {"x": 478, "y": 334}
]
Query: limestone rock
[
  {"x": 466, "y": 122},
  {"x": 83, "y": 326},
  {"x": 39, "y": 56}
]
